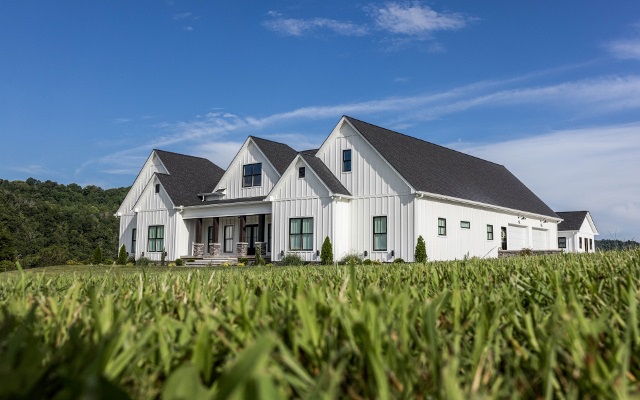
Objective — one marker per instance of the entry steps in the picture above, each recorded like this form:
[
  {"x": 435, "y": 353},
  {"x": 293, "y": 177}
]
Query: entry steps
[{"x": 210, "y": 261}]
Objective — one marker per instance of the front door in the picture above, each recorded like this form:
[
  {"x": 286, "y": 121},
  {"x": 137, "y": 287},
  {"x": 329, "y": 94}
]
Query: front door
[
  {"x": 503, "y": 237},
  {"x": 252, "y": 236}
]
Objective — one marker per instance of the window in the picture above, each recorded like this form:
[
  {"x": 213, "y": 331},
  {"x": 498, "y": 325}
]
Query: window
[
  {"x": 228, "y": 238},
  {"x": 210, "y": 234},
  {"x": 580, "y": 242},
  {"x": 489, "y": 232},
  {"x": 346, "y": 160},
  {"x": 465, "y": 224},
  {"x": 442, "y": 227},
  {"x": 562, "y": 242},
  {"x": 590, "y": 244},
  {"x": 157, "y": 188},
  {"x": 156, "y": 238},
  {"x": 269, "y": 237},
  {"x": 379, "y": 233},
  {"x": 301, "y": 172},
  {"x": 252, "y": 175},
  {"x": 301, "y": 234},
  {"x": 133, "y": 241}
]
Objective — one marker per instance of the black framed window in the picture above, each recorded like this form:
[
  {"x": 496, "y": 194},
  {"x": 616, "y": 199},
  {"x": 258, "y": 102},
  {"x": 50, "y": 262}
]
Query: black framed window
[
  {"x": 580, "y": 242},
  {"x": 133, "y": 241},
  {"x": 301, "y": 172},
  {"x": 269, "y": 237},
  {"x": 489, "y": 232},
  {"x": 156, "y": 239},
  {"x": 346, "y": 160},
  {"x": 465, "y": 224},
  {"x": 562, "y": 242},
  {"x": 252, "y": 175},
  {"x": 301, "y": 234},
  {"x": 590, "y": 244},
  {"x": 157, "y": 188},
  {"x": 379, "y": 233},
  {"x": 228, "y": 238},
  {"x": 442, "y": 227}
]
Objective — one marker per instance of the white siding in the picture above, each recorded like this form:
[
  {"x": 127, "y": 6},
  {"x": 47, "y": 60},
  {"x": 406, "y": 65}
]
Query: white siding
[
  {"x": 370, "y": 174},
  {"x": 472, "y": 242},
  {"x": 232, "y": 179},
  {"x": 540, "y": 239},
  {"x": 151, "y": 166},
  {"x": 341, "y": 242},
  {"x": 151, "y": 218}
]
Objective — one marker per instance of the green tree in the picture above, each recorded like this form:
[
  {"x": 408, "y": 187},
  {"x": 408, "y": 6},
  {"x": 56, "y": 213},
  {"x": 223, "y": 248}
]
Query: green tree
[
  {"x": 7, "y": 247},
  {"x": 326, "y": 254},
  {"x": 97, "y": 256},
  {"x": 420, "y": 255},
  {"x": 122, "y": 255}
]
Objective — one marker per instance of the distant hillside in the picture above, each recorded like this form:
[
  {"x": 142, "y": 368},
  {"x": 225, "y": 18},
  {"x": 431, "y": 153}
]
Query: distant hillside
[
  {"x": 46, "y": 223},
  {"x": 608, "y": 244}
]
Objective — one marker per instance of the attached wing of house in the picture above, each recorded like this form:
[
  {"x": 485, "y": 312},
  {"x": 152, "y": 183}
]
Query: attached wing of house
[
  {"x": 371, "y": 190},
  {"x": 576, "y": 232}
]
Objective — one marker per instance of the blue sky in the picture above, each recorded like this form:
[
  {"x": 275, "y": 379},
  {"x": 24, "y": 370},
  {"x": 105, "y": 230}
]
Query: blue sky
[{"x": 549, "y": 89}]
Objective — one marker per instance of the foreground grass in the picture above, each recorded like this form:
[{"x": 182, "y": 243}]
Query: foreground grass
[{"x": 563, "y": 326}]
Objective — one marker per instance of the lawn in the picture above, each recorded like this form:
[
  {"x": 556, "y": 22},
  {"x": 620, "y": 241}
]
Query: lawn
[{"x": 557, "y": 326}]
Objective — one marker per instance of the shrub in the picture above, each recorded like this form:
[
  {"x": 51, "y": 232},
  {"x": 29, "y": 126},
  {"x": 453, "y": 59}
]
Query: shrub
[
  {"x": 130, "y": 264},
  {"x": 179, "y": 262},
  {"x": 351, "y": 258},
  {"x": 367, "y": 262},
  {"x": 398, "y": 261},
  {"x": 131, "y": 259},
  {"x": 162, "y": 257},
  {"x": 326, "y": 254},
  {"x": 420, "y": 255},
  {"x": 6, "y": 265},
  {"x": 526, "y": 252},
  {"x": 240, "y": 264},
  {"x": 292, "y": 259},
  {"x": 122, "y": 255},
  {"x": 143, "y": 262},
  {"x": 191, "y": 260},
  {"x": 269, "y": 265},
  {"x": 243, "y": 260},
  {"x": 97, "y": 256},
  {"x": 259, "y": 259},
  {"x": 108, "y": 261}
]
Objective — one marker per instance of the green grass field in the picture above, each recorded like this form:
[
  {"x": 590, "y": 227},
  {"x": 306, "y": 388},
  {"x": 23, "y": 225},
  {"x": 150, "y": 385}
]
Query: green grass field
[{"x": 533, "y": 327}]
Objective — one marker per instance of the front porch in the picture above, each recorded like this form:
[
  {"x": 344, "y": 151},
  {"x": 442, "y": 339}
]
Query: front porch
[{"x": 228, "y": 237}]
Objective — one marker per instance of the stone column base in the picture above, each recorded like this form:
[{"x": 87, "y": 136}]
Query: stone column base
[
  {"x": 263, "y": 248},
  {"x": 214, "y": 249},
  {"x": 241, "y": 249},
  {"x": 198, "y": 250}
]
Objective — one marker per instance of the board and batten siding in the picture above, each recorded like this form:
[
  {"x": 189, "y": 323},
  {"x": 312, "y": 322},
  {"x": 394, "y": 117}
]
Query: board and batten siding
[
  {"x": 151, "y": 166},
  {"x": 460, "y": 242},
  {"x": 370, "y": 174},
  {"x": 232, "y": 179}
]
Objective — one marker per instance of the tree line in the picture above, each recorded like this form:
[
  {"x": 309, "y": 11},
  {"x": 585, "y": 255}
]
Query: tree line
[{"x": 47, "y": 223}]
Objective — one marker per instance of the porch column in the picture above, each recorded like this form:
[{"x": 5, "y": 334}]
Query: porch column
[
  {"x": 198, "y": 246},
  {"x": 261, "y": 243},
  {"x": 214, "y": 246},
  {"x": 242, "y": 245}
]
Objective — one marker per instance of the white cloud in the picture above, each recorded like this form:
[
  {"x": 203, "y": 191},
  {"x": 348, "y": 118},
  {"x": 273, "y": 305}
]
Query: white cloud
[
  {"x": 180, "y": 16},
  {"x": 220, "y": 153},
  {"x": 625, "y": 49},
  {"x": 415, "y": 19},
  {"x": 299, "y": 27},
  {"x": 33, "y": 169},
  {"x": 594, "y": 169}
]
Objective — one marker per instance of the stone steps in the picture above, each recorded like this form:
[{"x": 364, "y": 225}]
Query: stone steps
[{"x": 210, "y": 261}]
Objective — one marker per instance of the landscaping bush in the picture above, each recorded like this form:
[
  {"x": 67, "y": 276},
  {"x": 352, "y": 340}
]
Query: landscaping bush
[
  {"x": 108, "y": 261},
  {"x": 420, "y": 255},
  {"x": 367, "y": 262},
  {"x": 259, "y": 259},
  {"x": 144, "y": 262},
  {"x": 351, "y": 258},
  {"x": 179, "y": 262},
  {"x": 292, "y": 259},
  {"x": 122, "y": 255},
  {"x": 326, "y": 254},
  {"x": 131, "y": 259},
  {"x": 97, "y": 256},
  {"x": 398, "y": 261}
]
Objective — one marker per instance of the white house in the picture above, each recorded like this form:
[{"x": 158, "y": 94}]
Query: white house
[
  {"x": 576, "y": 233},
  {"x": 372, "y": 191}
]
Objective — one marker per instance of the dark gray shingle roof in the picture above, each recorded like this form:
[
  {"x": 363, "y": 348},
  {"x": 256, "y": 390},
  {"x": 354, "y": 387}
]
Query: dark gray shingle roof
[
  {"x": 279, "y": 154},
  {"x": 572, "y": 220},
  {"x": 435, "y": 169},
  {"x": 324, "y": 173},
  {"x": 187, "y": 177}
]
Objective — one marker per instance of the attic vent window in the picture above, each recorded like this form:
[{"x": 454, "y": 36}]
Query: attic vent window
[
  {"x": 301, "y": 172},
  {"x": 346, "y": 160},
  {"x": 465, "y": 224},
  {"x": 157, "y": 188}
]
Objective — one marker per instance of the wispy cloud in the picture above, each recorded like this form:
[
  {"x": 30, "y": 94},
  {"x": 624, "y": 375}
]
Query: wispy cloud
[
  {"x": 300, "y": 27},
  {"x": 180, "y": 16},
  {"x": 593, "y": 168},
  {"x": 33, "y": 169},
  {"x": 415, "y": 19},
  {"x": 625, "y": 49}
]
